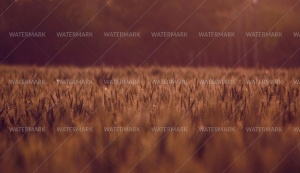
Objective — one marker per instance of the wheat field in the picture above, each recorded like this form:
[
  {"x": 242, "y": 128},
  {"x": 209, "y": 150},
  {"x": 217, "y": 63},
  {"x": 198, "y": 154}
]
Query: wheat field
[{"x": 149, "y": 119}]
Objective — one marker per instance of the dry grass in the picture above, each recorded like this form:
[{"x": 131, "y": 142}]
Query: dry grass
[{"x": 147, "y": 105}]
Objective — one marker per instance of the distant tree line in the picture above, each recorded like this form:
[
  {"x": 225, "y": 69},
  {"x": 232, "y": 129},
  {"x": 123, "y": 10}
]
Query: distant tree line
[{"x": 146, "y": 16}]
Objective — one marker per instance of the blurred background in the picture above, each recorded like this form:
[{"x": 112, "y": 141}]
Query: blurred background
[{"x": 146, "y": 16}]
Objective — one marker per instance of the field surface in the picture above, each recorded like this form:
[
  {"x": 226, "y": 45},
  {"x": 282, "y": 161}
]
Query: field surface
[{"x": 150, "y": 119}]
